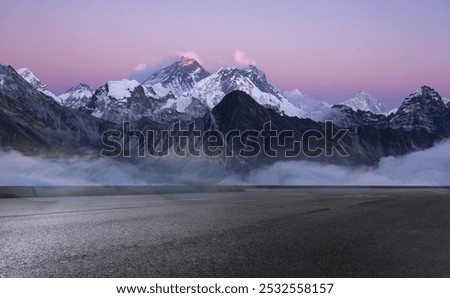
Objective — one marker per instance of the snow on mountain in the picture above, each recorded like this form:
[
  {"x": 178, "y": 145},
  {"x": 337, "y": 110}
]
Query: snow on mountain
[
  {"x": 28, "y": 76},
  {"x": 421, "y": 95},
  {"x": 344, "y": 116},
  {"x": 77, "y": 96},
  {"x": 121, "y": 89},
  {"x": 2, "y": 75},
  {"x": 31, "y": 78},
  {"x": 210, "y": 91},
  {"x": 313, "y": 108},
  {"x": 177, "y": 78},
  {"x": 124, "y": 100},
  {"x": 365, "y": 102}
]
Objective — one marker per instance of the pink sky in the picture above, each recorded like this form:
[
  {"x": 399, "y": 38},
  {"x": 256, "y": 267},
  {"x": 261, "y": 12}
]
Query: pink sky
[{"x": 329, "y": 49}]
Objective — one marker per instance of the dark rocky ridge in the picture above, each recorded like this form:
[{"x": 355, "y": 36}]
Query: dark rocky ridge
[{"x": 33, "y": 123}]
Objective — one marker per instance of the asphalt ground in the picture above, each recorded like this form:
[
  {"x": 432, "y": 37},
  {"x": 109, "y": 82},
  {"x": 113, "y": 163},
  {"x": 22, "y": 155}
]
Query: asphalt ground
[{"x": 251, "y": 232}]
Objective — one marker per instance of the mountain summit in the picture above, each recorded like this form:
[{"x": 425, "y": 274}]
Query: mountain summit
[
  {"x": 177, "y": 78},
  {"x": 423, "y": 109},
  {"x": 119, "y": 101},
  {"x": 251, "y": 80},
  {"x": 28, "y": 76},
  {"x": 363, "y": 101},
  {"x": 77, "y": 96}
]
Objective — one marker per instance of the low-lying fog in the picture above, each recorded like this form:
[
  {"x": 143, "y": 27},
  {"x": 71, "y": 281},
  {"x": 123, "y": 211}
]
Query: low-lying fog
[{"x": 429, "y": 167}]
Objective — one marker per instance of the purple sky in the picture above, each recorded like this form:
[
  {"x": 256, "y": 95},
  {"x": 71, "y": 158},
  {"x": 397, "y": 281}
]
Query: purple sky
[{"x": 329, "y": 49}]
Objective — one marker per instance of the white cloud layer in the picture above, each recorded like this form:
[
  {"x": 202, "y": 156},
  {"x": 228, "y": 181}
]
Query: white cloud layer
[
  {"x": 20, "y": 170},
  {"x": 429, "y": 167},
  {"x": 140, "y": 67}
]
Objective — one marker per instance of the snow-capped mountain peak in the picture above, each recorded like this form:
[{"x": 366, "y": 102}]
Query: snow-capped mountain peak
[
  {"x": 424, "y": 91},
  {"x": 77, "y": 96},
  {"x": 365, "y": 102},
  {"x": 177, "y": 78},
  {"x": 121, "y": 89},
  {"x": 81, "y": 87},
  {"x": 28, "y": 76},
  {"x": 423, "y": 109},
  {"x": 123, "y": 100},
  {"x": 251, "y": 80},
  {"x": 187, "y": 61},
  {"x": 295, "y": 94},
  {"x": 313, "y": 108}
]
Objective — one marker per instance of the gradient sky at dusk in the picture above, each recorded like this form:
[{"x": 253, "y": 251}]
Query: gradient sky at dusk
[{"x": 329, "y": 49}]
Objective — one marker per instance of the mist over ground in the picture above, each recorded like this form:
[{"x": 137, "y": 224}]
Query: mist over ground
[
  {"x": 429, "y": 167},
  {"x": 20, "y": 170}
]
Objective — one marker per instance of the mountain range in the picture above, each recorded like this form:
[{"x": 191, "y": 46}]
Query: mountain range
[
  {"x": 186, "y": 90},
  {"x": 32, "y": 122},
  {"x": 35, "y": 121}
]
